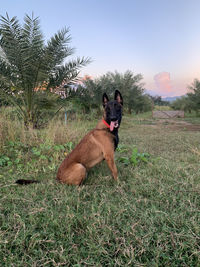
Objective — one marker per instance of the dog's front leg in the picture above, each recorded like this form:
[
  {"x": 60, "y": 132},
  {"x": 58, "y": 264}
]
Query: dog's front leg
[{"x": 111, "y": 164}]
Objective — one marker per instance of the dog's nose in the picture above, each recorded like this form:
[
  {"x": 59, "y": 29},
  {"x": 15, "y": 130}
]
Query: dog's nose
[{"x": 113, "y": 118}]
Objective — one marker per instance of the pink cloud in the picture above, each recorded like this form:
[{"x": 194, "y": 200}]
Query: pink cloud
[{"x": 163, "y": 83}]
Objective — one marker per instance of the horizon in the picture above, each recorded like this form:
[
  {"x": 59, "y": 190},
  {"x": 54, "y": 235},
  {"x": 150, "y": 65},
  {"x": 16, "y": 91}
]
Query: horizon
[{"x": 157, "y": 39}]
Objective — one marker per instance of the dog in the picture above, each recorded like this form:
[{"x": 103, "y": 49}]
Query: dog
[{"x": 98, "y": 145}]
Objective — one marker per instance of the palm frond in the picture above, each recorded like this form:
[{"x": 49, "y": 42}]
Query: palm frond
[
  {"x": 68, "y": 72},
  {"x": 11, "y": 39},
  {"x": 57, "y": 48},
  {"x": 32, "y": 34},
  {"x": 32, "y": 40},
  {"x": 32, "y": 49},
  {"x": 9, "y": 75},
  {"x": 3, "y": 56}
]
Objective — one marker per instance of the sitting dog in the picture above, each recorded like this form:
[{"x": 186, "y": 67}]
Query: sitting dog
[{"x": 97, "y": 145}]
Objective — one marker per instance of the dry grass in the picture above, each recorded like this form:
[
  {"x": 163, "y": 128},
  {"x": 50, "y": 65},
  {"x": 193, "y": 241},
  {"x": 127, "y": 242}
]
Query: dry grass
[{"x": 56, "y": 132}]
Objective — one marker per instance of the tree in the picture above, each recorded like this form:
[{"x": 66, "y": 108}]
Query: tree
[
  {"x": 191, "y": 101},
  {"x": 29, "y": 67},
  {"x": 157, "y": 100},
  {"x": 194, "y": 95},
  {"x": 182, "y": 103},
  {"x": 128, "y": 84},
  {"x": 88, "y": 95}
]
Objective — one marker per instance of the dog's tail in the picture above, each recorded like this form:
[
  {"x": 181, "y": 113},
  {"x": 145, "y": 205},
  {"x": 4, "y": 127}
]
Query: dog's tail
[{"x": 25, "y": 182}]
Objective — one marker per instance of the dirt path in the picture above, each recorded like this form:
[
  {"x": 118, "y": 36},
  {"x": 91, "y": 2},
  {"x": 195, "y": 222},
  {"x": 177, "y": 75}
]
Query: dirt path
[{"x": 174, "y": 124}]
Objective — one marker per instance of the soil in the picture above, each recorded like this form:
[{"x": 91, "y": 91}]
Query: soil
[{"x": 173, "y": 124}]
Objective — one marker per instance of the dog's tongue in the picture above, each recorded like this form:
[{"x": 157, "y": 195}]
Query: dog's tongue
[{"x": 112, "y": 125}]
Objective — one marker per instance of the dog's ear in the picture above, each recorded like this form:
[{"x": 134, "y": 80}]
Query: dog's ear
[
  {"x": 118, "y": 97},
  {"x": 105, "y": 99}
]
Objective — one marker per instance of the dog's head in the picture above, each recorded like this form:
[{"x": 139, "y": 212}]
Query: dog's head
[{"x": 113, "y": 110}]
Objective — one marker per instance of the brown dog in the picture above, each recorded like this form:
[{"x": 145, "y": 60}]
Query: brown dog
[{"x": 97, "y": 145}]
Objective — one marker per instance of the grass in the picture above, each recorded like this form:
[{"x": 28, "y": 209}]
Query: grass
[
  {"x": 164, "y": 108},
  {"x": 150, "y": 218}
]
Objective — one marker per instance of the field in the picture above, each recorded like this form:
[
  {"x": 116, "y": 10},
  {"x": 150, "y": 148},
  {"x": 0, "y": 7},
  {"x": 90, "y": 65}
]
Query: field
[{"x": 150, "y": 218}]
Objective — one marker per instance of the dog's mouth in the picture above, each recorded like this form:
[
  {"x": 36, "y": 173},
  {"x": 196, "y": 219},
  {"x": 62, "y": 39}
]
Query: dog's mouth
[{"x": 113, "y": 124}]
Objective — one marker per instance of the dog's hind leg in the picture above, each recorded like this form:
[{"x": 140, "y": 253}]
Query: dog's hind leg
[{"x": 73, "y": 175}]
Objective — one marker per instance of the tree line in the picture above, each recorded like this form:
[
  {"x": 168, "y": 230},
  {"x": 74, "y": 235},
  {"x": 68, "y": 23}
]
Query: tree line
[
  {"x": 191, "y": 101},
  {"x": 90, "y": 91},
  {"x": 32, "y": 70}
]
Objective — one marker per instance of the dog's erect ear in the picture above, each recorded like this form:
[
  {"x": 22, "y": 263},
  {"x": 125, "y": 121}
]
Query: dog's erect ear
[
  {"x": 118, "y": 97},
  {"x": 105, "y": 99}
]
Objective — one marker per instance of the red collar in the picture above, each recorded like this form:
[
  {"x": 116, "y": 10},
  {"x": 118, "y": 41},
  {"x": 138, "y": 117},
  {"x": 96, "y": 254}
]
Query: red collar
[{"x": 106, "y": 123}]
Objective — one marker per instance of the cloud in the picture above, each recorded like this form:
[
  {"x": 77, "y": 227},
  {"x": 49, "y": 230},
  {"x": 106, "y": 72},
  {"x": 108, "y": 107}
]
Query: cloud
[{"x": 163, "y": 83}]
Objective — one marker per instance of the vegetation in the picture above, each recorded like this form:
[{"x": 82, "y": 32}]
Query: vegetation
[
  {"x": 191, "y": 101},
  {"x": 194, "y": 95},
  {"x": 90, "y": 92},
  {"x": 28, "y": 66},
  {"x": 150, "y": 218},
  {"x": 182, "y": 103},
  {"x": 157, "y": 100}
]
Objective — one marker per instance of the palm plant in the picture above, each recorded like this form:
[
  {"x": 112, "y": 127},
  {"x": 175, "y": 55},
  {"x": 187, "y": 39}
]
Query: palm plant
[{"x": 28, "y": 64}]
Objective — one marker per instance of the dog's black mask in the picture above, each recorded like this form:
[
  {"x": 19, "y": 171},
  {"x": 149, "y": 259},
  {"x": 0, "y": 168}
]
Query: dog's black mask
[{"x": 113, "y": 113}]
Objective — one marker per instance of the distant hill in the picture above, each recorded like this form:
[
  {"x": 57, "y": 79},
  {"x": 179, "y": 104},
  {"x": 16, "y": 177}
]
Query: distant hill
[{"x": 170, "y": 98}]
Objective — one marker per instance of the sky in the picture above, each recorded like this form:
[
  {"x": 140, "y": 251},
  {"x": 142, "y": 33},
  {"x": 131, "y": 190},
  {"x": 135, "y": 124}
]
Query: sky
[{"x": 159, "y": 39}]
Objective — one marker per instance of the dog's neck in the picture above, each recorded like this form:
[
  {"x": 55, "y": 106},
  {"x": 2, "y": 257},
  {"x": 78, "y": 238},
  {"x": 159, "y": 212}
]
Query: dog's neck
[{"x": 103, "y": 125}]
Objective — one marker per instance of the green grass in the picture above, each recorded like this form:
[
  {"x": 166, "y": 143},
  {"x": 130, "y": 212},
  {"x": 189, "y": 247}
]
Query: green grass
[
  {"x": 192, "y": 118},
  {"x": 150, "y": 218},
  {"x": 156, "y": 107}
]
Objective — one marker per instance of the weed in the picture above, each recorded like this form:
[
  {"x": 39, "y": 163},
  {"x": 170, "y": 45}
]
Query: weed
[
  {"x": 122, "y": 148},
  {"x": 5, "y": 161},
  {"x": 135, "y": 158}
]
